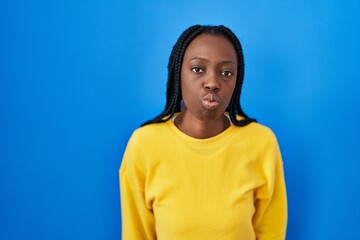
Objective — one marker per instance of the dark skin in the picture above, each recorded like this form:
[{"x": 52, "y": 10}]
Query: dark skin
[{"x": 208, "y": 78}]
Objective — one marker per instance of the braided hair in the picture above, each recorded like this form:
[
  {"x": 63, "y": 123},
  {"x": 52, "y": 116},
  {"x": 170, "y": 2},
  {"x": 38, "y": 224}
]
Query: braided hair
[{"x": 173, "y": 92}]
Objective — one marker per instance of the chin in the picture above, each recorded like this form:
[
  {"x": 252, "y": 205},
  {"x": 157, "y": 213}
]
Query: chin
[{"x": 213, "y": 114}]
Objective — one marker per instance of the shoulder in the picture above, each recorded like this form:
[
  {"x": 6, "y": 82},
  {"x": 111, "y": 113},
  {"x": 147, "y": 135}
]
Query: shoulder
[
  {"x": 263, "y": 144},
  {"x": 255, "y": 137},
  {"x": 142, "y": 146},
  {"x": 257, "y": 132},
  {"x": 148, "y": 134},
  {"x": 261, "y": 131}
]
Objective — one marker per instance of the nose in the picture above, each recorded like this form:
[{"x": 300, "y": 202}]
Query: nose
[{"x": 211, "y": 83}]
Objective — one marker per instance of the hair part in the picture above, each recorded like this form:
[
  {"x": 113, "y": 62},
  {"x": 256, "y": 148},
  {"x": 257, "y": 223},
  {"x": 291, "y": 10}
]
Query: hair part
[{"x": 173, "y": 92}]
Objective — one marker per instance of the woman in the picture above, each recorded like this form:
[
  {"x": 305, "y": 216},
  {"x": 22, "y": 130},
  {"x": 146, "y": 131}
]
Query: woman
[{"x": 202, "y": 169}]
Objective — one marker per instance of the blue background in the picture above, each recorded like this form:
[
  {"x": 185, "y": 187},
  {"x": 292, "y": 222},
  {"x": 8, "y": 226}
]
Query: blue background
[{"x": 77, "y": 77}]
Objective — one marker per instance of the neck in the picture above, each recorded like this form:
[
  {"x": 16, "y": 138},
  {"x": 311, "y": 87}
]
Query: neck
[{"x": 201, "y": 128}]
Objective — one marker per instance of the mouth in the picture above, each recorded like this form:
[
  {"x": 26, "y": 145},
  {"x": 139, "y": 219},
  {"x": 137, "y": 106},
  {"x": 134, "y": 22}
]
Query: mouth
[{"x": 211, "y": 101}]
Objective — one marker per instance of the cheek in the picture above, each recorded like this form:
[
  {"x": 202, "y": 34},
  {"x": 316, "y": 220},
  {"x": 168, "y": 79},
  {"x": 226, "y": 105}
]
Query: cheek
[
  {"x": 229, "y": 93},
  {"x": 187, "y": 93},
  {"x": 188, "y": 89}
]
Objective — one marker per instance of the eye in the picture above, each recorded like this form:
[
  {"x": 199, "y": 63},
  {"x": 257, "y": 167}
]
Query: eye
[
  {"x": 227, "y": 73},
  {"x": 197, "y": 70}
]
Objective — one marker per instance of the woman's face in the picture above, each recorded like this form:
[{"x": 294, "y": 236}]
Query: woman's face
[{"x": 208, "y": 76}]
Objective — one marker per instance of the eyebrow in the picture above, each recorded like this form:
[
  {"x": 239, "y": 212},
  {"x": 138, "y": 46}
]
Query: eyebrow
[{"x": 206, "y": 60}]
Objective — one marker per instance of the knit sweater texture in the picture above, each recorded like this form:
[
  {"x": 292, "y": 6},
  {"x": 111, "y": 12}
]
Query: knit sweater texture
[{"x": 230, "y": 186}]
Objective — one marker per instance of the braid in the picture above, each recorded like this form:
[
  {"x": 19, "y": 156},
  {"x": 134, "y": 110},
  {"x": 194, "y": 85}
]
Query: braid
[
  {"x": 234, "y": 107},
  {"x": 173, "y": 92}
]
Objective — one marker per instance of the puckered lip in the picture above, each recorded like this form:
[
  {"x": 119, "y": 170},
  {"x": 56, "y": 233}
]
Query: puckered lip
[
  {"x": 211, "y": 101},
  {"x": 211, "y": 97}
]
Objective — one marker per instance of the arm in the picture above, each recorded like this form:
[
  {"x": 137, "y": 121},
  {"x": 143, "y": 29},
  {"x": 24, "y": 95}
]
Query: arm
[
  {"x": 137, "y": 218},
  {"x": 270, "y": 219}
]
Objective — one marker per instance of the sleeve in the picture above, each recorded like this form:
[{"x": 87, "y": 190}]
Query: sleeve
[
  {"x": 270, "y": 218},
  {"x": 137, "y": 218}
]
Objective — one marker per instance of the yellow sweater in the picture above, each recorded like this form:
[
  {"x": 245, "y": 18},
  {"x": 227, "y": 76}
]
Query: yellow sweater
[{"x": 230, "y": 186}]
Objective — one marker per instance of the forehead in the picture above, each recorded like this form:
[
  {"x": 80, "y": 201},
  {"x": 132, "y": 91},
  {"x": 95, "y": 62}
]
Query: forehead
[{"x": 211, "y": 46}]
